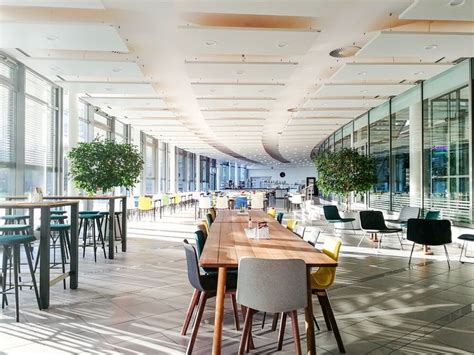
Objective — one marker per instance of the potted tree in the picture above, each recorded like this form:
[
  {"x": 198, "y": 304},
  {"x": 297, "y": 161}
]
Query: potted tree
[
  {"x": 344, "y": 172},
  {"x": 102, "y": 164}
]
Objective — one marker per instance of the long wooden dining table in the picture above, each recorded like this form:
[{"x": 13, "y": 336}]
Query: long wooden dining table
[{"x": 227, "y": 242}]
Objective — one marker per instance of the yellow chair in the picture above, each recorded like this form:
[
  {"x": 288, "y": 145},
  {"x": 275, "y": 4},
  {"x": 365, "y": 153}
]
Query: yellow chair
[
  {"x": 272, "y": 212},
  {"x": 145, "y": 205},
  {"x": 206, "y": 226},
  {"x": 292, "y": 224},
  {"x": 177, "y": 201},
  {"x": 321, "y": 280}
]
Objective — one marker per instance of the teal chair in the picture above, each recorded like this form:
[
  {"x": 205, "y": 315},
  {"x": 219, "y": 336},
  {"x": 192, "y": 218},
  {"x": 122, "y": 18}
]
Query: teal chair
[
  {"x": 280, "y": 217},
  {"x": 432, "y": 215}
]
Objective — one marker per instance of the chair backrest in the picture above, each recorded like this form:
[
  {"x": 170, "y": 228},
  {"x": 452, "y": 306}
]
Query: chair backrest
[
  {"x": 324, "y": 277},
  {"x": 206, "y": 225},
  {"x": 257, "y": 201},
  {"x": 429, "y": 231},
  {"x": 272, "y": 285},
  {"x": 297, "y": 199},
  {"x": 291, "y": 225},
  {"x": 312, "y": 237},
  {"x": 280, "y": 217},
  {"x": 145, "y": 203},
  {"x": 272, "y": 212},
  {"x": 331, "y": 213},
  {"x": 165, "y": 200},
  {"x": 222, "y": 202},
  {"x": 209, "y": 219},
  {"x": 177, "y": 198},
  {"x": 299, "y": 230},
  {"x": 202, "y": 227},
  {"x": 205, "y": 202},
  {"x": 432, "y": 215},
  {"x": 130, "y": 203},
  {"x": 194, "y": 276},
  {"x": 200, "y": 238},
  {"x": 409, "y": 212},
  {"x": 213, "y": 213},
  {"x": 372, "y": 220},
  {"x": 241, "y": 201}
]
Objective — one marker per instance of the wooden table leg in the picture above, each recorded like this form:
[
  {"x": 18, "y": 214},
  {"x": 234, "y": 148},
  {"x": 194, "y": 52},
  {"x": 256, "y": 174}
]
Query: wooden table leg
[
  {"x": 110, "y": 233},
  {"x": 311, "y": 340},
  {"x": 219, "y": 317},
  {"x": 44, "y": 256},
  {"x": 74, "y": 266}
]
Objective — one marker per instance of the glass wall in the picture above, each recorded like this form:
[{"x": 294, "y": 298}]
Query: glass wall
[
  {"x": 163, "y": 166},
  {"x": 7, "y": 130},
  {"x": 150, "y": 166},
  {"x": 422, "y": 144}
]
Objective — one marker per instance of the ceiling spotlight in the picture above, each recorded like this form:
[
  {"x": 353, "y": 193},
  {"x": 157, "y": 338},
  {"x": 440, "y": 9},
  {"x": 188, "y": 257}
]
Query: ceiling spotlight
[
  {"x": 282, "y": 44},
  {"x": 210, "y": 43},
  {"x": 431, "y": 46},
  {"x": 261, "y": 90},
  {"x": 212, "y": 90},
  {"x": 52, "y": 38},
  {"x": 240, "y": 72},
  {"x": 108, "y": 89},
  {"x": 456, "y": 3},
  {"x": 364, "y": 91},
  {"x": 419, "y": 73},
  {"x": 117, "y": 70},
  {"x": 362, "y": 73},
  {"x": 55, "y": 68}
]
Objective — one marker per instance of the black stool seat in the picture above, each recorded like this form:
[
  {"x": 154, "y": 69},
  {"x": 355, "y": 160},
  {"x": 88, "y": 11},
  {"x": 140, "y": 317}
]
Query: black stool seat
[
  {"x": 468, "y": 237},
  {"x": 14, "y": 217}
]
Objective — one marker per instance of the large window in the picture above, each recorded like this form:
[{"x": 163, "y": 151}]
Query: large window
[
  {"x": 181, "y": 169},
  {"x": 7, "y": 131},
  {"x": 163, "y": 166},
  {"x": 41, "y": 124},
  {"x": 380, "y": 149},
  {"x": 150, "y": 166}
]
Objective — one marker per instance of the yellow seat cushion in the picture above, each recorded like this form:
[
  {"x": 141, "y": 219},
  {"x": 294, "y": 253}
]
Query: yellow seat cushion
[
  {"x": 272, "y": 212},
  {"x": 324, "y": 277}
]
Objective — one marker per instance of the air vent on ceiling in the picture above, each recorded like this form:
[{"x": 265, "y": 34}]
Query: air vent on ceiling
[
  {"x": 118, "y": 52},
  {"x": 401, "y": 82},
  {"x": 110, "y": 108},
  {"x": 344, "y": 52},
  {"x": 440, "y": 59},
  {"x": 23, "y": 52},
  {"x": 60, "y": 78},
  {"x": 459, "y": 60}
]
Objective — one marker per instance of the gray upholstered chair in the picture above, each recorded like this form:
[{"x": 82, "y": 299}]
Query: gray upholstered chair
[
  {"x": 274, "y": 286},
  {"x": 406, "y": 213}
]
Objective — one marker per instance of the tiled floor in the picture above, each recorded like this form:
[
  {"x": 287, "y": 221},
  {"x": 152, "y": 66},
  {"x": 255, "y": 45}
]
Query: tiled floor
[{"x": 136, "y": 303}]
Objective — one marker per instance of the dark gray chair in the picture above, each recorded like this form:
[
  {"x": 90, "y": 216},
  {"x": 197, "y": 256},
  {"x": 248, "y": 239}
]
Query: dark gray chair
[
  {"x": 466, "y": 238},
  {"x": 331, "y": 214},
  {"x": 372, "y": 222},
  {"x": 205, "y": 287},
  {"x": 279, "y": 286},
  {"x": 429, "y": 232}
]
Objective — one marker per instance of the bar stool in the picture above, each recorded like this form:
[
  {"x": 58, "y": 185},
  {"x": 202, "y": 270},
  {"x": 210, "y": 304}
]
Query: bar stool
[
  {"x": 91, "y": 220},
  {"x": 58, "y": 212},
  {"x": 16, "y": 219},
  {"x": 10, "y": 229},
  {"x": 466, "y": 238},
  {"x": 117, "y": 231},
  {"x": 11, "y": 245},
  {"x": 58, "y": 232}
]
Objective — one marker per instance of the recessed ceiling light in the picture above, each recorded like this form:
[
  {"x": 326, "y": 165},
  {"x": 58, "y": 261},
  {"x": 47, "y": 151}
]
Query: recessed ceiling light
[
  {"x": 362, "y": 73},
  {"x": 419, "y": 73},
  {"x": 108, "y": 89},
  {"x": 431, "y": 46},
  {"x": 240, "y": 72},
  {"x": 210, "y": 43},
  {"x": 364, "y": 91},
  {"x": 117, "y": 70},
  {"x": 55, "y": 68},
  {"x": 52, "y": 38},
  {"x": 282, "y": 44},
  {"x": 456, "y": 3}
]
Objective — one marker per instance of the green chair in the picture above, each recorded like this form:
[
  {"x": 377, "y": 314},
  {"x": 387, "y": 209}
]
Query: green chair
[
  {"x": 280, "y": 217},
  {"x": 165, "y": 201},
  {"x": 11, "y": 247},
  {"x": 432, "y": 215}
]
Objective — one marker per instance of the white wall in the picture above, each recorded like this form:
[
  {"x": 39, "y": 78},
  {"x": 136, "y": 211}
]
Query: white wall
[{"x": 293, "y": 175}]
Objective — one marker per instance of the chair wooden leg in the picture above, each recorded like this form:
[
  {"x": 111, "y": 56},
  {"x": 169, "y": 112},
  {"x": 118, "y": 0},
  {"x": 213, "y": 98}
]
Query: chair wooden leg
[
  {"x": 281, "y": 333},
  {"x": 325, "y": 313},
  {"x": 246, "y": 331},
  {"x": 327, "y": 304},
  {"x": 296, "y": 331},
  {"x": 197, "y": 323},
  {"x": 192, "y": 305},
  {"x": 235, "y": 310},
  {"x": 275, "y": 321}
]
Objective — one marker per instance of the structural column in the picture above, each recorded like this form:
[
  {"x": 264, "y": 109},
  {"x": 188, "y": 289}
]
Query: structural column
[
  {"x": 237, "y": 175},
  {"x": 172, "y": 150},
  {"x": 198, "y": 172},
  {"x": 73, "y": 131},
  {"x": 416, "y": 162},
  {"x": 218, "y": 175}
]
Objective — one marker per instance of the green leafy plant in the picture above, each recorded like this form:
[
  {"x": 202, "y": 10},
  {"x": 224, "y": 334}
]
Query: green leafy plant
[
  {"x": 345, "y": 171},
  {"x": 104, "y": 164}
]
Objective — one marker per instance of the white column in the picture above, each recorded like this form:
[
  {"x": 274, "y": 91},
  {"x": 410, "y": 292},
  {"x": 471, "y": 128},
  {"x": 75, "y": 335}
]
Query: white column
[
  {"x": 198, "y": 172},
  {"x": 416, "y": 162},
  {"x": 236, "y": 176},
  {"x": 218, "y": 175},
  {"x": 172, "y": 168},
  {"x": 73, "y": 132}
]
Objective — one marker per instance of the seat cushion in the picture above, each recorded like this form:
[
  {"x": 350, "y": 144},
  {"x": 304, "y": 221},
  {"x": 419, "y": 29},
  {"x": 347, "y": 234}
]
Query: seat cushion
[
  {"x": 14, "y": 217},
  {"x": 58, "y": 227},
  {"x": 58, "y": 212},
  {"x": 90, "y": 216},
  {"x": 468, "y": 237},
  {"x": 13, "y": 227},
  {"x": 16, "y": 239}
]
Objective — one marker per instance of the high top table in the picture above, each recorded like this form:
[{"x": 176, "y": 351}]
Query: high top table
[
  {"x": 45, "y": 230},
  {"x": 227, "y": 243}
]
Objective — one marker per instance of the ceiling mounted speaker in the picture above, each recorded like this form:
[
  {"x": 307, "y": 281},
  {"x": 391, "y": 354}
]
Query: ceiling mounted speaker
[
  {"x": 344, "y": 52},
  {"x": 282, "y": 174}
]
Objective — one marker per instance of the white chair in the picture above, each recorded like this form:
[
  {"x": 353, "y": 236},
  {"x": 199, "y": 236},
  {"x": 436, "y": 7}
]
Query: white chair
[
  {"x": 131, "y": 209},
  {"x": 296, "y": 200},
  {"x": 205, "y": 203},
  {"x": 222, "y": 202},
  {"x": 312, "y": 236},
  {"x": 299, "y": 230},
  {"x": 258, "y": 201}
]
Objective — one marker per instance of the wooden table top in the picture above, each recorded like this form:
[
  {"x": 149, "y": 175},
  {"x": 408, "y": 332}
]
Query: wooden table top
[
  {"x": 227, "y": 243},
  {"x": 26, "y": 204}
]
